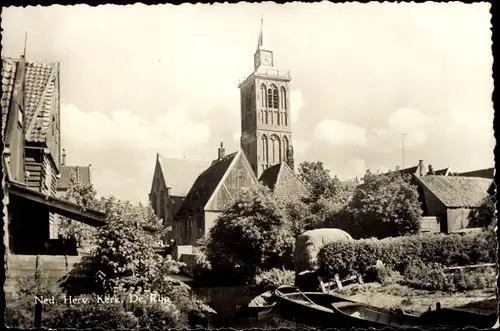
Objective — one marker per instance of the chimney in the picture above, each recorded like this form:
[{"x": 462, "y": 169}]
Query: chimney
[
  {"x": 63, "y": 161},
  {"x": 421, "y": 168},
  {"x": 222, "y": 151}
]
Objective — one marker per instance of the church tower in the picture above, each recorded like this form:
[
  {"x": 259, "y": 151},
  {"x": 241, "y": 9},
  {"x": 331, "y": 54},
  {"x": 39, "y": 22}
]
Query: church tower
[{"x": 266, "y": 132}]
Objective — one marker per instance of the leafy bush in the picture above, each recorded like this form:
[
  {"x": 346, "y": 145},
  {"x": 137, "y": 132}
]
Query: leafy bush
[
  {"x": 275, "y": 278},
  {"x": 432, "y": 277},
  {"x": 91, "y": 315},
  {"x": 381, "y": 274},
  {"x": 252, "y": 235},
  {"x": 397, "y": 253},
  {"x": 385, "y": 205}
]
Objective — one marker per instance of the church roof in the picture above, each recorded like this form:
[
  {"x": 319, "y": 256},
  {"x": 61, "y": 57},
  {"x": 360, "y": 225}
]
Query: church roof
[
  {"x": 205, "y": 186},
  {"x": 40, "y": 95},
  {"x": 82, "y": 173},
  {"x": 283, "y": 181},
  {"x": 180, "y": 173}
]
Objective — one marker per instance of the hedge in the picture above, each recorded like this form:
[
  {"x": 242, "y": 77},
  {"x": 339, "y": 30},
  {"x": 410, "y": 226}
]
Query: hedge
[{"x": 350, "y": 257}]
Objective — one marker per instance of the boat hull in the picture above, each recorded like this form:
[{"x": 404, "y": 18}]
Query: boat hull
[
  {"x": 314, "y": 311},
  {"x": 360, "y": 315}
]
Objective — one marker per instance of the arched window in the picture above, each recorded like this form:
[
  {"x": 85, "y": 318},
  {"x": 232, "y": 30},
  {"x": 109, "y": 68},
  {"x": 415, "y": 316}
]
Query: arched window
[
  {"x": 272, "y": 97},
  {"x": 263, "y": 95},
  {"x": 282, "y": 98},
  {"x": 276, "y": 149}
]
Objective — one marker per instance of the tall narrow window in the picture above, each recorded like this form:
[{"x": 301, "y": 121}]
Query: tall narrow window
[
  {"x": 286, "y": 119},
  {"x": 270, "y": 98},
  {"x": 261, "y": 116},
  {"x": 275, "y": 97},
  {"x": 283, "y": 98},
  {"x": 266, "y": 114},
  {"x": 263, "y": 95},
  {"x": 264, "y": 149}
]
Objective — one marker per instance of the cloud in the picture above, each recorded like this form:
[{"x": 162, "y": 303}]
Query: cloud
[
  {"x": 338, "y": 133},
  {"x": 358, "y": 167},
  {"x": 411, "y": 121},
  {"x": 121, "y": 147},
  {"x": 169, "y": 132},
  {"x": 296, "y": 104}
]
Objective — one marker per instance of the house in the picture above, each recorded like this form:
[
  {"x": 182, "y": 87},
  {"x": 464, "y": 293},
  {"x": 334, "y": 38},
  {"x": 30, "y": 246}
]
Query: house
[
  {"x": 450, "y": 199},
  {"x": 488, "y": 173},
  {"x": 212, "y": 192},
  {"x": 283, "y": 181},
  {"x": 421, "y": 170},
  {"x": 83, "y": 175},
  {"x": 30, "y": 127},
  {"x": 172, "y": 179}
]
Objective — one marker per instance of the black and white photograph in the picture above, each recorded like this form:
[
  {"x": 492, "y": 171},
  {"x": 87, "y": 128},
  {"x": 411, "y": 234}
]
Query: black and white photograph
[{"x": 249, "y": 165}]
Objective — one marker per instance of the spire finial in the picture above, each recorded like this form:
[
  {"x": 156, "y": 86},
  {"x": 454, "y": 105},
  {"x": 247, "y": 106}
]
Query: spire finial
[
  {"x": 261, "y": 38},
  {"x": 25, "y": 42}
]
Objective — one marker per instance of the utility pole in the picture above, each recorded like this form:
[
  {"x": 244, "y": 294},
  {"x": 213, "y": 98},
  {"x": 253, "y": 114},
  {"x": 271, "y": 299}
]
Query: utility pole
[{"x": 403, "y": 149}]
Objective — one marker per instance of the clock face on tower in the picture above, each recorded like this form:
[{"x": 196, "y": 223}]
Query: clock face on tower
[
  {"x": 257, "y": 59},
  {"x": 267, "y": 58}
]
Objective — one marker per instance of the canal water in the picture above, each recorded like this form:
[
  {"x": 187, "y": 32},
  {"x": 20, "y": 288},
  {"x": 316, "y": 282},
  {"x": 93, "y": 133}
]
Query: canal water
[{"x": 231, "y": 302}]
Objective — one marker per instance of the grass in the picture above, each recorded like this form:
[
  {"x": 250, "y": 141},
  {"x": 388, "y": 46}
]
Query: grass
[{"x": 394, "y": 295}]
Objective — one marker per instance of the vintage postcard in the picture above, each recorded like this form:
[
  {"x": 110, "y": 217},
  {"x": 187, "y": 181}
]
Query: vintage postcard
[{"x": 249, "y": 165}]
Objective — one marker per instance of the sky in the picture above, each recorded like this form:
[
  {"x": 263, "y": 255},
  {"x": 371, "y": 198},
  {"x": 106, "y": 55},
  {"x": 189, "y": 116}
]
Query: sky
[{"x": 139, "y": 80}]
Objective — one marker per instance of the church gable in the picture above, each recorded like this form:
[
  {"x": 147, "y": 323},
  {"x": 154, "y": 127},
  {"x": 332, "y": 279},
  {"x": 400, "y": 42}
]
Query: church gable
[
  {"x": 158, "y": 182},
  {"x": 239, "y": 175},
  {"x": 284, "y": 182}
]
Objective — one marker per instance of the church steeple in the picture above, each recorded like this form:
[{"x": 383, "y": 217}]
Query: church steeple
[
  {"x": 262, "y": 57},
  {"x": 266, "y": 131},
  {"x": 261, "y": 36}
]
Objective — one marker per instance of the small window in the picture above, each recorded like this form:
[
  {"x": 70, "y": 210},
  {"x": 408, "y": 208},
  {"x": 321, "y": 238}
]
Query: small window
[{"x": 20, "y": 117}]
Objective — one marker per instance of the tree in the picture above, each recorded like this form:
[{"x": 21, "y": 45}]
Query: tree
[
  {"x": 251, "y": 235},
  {"x": 86, "y": 196},
  {"x": 125, "y": 254},
  {"x": 484, "y": 216},
  {"x": 385, "y": 205},
  {"x": 322, "y": 184}
]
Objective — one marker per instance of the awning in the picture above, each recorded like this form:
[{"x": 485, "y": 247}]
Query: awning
[{"x": 58, "y": 206}]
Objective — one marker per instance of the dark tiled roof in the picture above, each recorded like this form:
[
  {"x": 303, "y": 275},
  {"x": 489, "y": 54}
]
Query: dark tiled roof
[
  {"x": 8, "y": 75},
  {"x": 483, "y": 173},
  {"x": 82, "y": 173},
  {"x": 180, "y": 174},
  {"x": 40, "y": 90},
  {"x": 283, "y": 181},
  {"x": 270, "y": 176},
  {"x": 205, "y": 186},
  {"x": 455, "y": 191}
]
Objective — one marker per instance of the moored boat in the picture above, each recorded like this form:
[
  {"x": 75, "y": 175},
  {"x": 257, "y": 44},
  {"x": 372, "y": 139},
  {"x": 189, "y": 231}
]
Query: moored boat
[
  {"x": 262, "y": 304},
  {"x": 361, "y": 315},
  {"x": 310, "y": 308}
]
